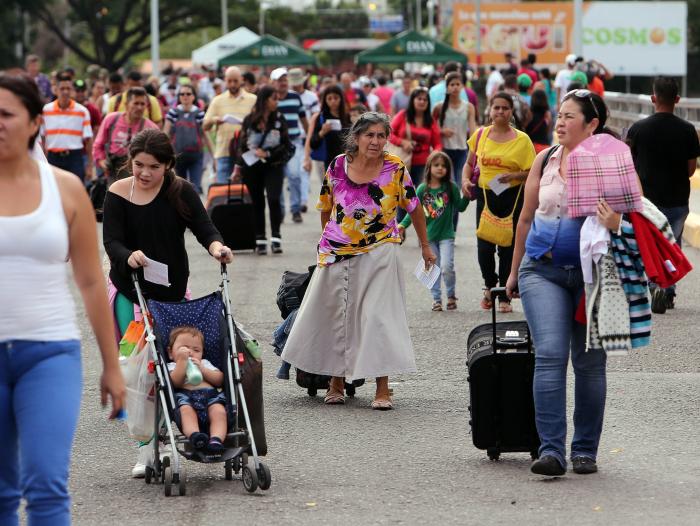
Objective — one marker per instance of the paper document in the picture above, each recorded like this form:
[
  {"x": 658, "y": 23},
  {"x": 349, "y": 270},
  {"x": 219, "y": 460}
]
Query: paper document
[
  {"x": 429, "y": 277},
  {"x": 250, "y": 158},
  {"x": 335, "y": 124},
  {"x": 231, "y": 119},
  {"x": 497, "y": 186},
  {"x": 156, "y": 272}
]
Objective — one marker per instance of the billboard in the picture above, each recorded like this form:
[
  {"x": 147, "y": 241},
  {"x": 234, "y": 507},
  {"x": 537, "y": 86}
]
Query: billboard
[
  {"x": 630, "y": 38},
  {"x": 637, "y": 38},
  {"x": 544, "y": 28}
]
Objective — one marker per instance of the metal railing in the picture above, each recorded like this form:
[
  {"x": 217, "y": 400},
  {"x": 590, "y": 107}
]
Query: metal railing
[{"x": 627, "y": 108}]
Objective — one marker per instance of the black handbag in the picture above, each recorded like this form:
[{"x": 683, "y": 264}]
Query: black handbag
[{"x": 97, "y": 190}]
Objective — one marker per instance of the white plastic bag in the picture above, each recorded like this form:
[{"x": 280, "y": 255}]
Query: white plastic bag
[{"x": 140, "y": 394}]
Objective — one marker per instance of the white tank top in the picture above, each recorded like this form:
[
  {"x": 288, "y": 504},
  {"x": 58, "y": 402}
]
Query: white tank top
[
  {"x": 35, "y": 301},
  {"x": 456, "y": 119}
]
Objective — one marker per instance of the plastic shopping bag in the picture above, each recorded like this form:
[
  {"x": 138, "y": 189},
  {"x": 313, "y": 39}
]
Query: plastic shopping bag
[
  {"x": 140, "y": 394},
  {"x": 132, "y": 338}
]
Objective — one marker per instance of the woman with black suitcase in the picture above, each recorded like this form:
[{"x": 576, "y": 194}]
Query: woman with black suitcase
[
  {"x": 546, "y": 271},
  {"x": 264, "y": 148}
]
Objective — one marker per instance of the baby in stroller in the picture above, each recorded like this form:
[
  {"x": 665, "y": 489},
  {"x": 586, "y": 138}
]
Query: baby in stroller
[{"x": 197, "y": 396}]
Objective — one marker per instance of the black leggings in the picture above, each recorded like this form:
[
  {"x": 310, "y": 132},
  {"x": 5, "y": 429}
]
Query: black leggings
[
  {"x": 501, "y": 206},
  {"x": 263, "y": 179}
]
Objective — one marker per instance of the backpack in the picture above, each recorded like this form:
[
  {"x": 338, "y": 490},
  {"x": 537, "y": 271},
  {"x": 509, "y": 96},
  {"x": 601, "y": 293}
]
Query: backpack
[
  {"x": 187, "y": 134},
  {"x": 292, "y": 289}
]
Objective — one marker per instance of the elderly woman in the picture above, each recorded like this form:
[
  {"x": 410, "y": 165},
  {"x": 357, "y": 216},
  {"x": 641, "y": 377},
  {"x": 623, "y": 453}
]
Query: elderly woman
[{"x": 352, "y": 323}]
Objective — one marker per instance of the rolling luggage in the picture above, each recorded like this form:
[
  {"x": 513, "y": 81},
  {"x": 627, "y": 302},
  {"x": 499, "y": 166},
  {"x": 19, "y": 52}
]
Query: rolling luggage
[
  {"x": 231, "y": 210},
  {"x": 501, "y": 366}
]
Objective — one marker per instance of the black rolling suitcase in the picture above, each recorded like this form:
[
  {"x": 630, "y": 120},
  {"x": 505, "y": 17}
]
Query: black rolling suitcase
[
  {"x": 501, "y": 365},
  {"x": 313, "y": 382},
  {"x": 231, "y": 210}
]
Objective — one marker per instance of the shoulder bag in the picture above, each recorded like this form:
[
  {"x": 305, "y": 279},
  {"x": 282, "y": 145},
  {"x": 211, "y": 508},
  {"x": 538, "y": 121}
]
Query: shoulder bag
[
  {"x": 494, "y": 229},
  {"x": 398, "y": 150}
]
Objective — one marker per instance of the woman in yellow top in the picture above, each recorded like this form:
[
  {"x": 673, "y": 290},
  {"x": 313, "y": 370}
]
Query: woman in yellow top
[{"x": 504, "y": 156}]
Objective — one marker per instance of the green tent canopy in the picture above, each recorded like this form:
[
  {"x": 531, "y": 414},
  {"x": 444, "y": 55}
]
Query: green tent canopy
[
  {"x": 268, "y": 51},
  {"x": 410, "y": 46}
]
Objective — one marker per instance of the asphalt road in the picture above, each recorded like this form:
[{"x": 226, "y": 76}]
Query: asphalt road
[{"x": 416, "y": 464}]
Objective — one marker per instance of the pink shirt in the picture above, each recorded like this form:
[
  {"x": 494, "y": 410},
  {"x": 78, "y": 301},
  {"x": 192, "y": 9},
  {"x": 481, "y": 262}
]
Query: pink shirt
[
  {"x": 121, "y": 135},
  {"x": 384, "y": 93}
]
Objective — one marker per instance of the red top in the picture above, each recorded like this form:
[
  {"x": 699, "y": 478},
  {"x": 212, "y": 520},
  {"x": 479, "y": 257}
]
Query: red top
[{"x": 425, "y": 139}]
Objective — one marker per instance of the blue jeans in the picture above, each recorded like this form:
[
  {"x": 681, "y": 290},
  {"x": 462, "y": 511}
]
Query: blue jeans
[
  {"x": 550, "y": 295},
  {"x": 40, "y": 388},
  {"x": 458, "y": 158},
  {"x": 189, "y": 166},
  {"x": 676, "y": 217},
  {"x": 224, "y": 168},
  {"x": 445, "y": 252},
  {"x": 295, "y": 174}
]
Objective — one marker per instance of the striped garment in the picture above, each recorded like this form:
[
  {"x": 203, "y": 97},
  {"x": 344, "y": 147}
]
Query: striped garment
[
  {"x": 293, "y": 110},
  {"x": 630, "y": 268},
  {"x": 65, "y": 129},
  {"x": 601, "y": 167}
]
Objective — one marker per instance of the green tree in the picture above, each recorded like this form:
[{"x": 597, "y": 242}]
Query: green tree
[{"x": 110, "y": 32}]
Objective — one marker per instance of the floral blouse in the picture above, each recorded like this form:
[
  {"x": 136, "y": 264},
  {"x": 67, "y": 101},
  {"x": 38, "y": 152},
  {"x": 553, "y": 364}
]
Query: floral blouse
[{"x": 363, "y": 216}]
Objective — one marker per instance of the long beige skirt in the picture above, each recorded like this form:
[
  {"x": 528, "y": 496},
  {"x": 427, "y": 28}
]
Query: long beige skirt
[{"x": 352, "y": 321}]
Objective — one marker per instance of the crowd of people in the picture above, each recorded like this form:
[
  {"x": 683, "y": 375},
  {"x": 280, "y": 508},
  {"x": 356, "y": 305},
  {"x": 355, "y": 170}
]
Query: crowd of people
[{"x": 389, "y": 151}]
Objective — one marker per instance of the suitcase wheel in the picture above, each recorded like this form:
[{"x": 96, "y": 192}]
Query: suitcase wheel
[
  {"x": 350, "y": 390},
  {"x": 312, "y": 391},
  {"x": 493, "y": 453},
  {"x": 534, "y": 454}
]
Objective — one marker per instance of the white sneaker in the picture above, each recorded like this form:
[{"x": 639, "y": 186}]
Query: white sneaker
[{"x": 145, "y": 458}]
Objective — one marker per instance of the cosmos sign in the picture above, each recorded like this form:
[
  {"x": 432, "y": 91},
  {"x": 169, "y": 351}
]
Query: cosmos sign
[
  {"x": 630, "y": 38},
  {"x": 637, "y": 38}
]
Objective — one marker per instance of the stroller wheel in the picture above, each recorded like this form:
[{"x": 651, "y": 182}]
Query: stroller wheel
[
  {"x": 264, "y": 477},
  {"x": 164, "y": 464},
  {"x": 182, "y": 481},
  {"x": 250, "y": 477},
  {"x": 150, "y": 474},
  {"x": 168, "y": 481},
  {"x": 228, "y": 467}
]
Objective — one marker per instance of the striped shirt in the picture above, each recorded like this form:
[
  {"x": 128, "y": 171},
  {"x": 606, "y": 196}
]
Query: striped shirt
[
  {"x": 293, "y": 110},
  {"x": 65, "y": 129}
]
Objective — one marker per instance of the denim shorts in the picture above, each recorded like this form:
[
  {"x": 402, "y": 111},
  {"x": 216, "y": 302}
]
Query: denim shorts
[{"x": 200, "y": 400}]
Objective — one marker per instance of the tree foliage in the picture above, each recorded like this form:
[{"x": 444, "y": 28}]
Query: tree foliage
[{"x": 110, "y": 32}]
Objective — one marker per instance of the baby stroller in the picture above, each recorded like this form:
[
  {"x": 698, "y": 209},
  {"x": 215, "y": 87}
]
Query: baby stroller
[{"x": 224, "y": 348}]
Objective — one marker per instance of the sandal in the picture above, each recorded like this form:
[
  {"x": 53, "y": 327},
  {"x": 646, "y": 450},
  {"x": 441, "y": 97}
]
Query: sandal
[
  {"x": 452, "y": 303},
  {"x": 486, "y": 302},
  {"x": 504, "y": 307},
  {"x": 334, "y": 397},
  {"x": 437, "y": 306},
  {"x": 382, "y": 404}
]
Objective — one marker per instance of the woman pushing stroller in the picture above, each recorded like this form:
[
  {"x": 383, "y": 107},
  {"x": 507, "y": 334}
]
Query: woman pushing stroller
[{"x": 145, "y": 217}]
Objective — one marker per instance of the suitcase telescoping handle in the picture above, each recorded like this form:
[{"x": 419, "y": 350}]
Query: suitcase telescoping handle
[
  {"x": 495, "y": 292},
  {"x": 228, "y": 190}
]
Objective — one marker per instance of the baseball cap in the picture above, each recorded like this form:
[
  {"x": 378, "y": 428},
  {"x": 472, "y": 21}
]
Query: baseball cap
[
  {"x": 571, "y": 59},
  {"x": 524, "y": 80},
  {"x": 295, "y": 76},
  {"x": 579, "y": 76},
  {"x": 278, "y": 73},
  {"x": 79, "y": 85}
]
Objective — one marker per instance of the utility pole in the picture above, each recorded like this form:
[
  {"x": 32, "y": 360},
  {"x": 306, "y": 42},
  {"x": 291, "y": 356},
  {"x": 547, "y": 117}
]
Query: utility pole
[
  {"x": 155, "y": 38},
  {"x": 224, "y": 17},
  {"x": 419, "y": 17}
]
